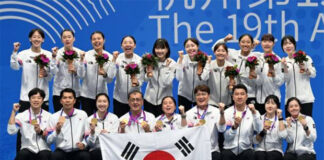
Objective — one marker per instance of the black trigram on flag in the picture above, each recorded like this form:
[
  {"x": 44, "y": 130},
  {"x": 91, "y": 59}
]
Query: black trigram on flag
[
  {"x": 130, "y": 151},
  {"x": 184, "y": 146}
]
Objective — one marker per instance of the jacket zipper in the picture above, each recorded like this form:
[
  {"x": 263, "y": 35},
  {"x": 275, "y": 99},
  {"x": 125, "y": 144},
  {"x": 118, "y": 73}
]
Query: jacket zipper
[
  {"x": 71, "y": 132},
  {"x": 158, "y": 84},
  {"x": 220, "y": 86},
  {"x": 295, "y": 80}
]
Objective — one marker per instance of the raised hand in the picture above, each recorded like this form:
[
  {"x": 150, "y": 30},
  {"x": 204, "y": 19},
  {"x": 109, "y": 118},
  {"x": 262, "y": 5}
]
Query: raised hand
[
  {"x": 16, "y": 46},
  {"x": 54, "y": 52}
]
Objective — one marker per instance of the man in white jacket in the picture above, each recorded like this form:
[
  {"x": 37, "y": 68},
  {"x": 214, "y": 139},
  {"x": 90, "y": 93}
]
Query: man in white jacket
[
  {"x": 241, "y": 121},
  {"x": 32, "y": 124},
  {"x": 210, "y": 116},
  {"x": 67, "y": 130}
]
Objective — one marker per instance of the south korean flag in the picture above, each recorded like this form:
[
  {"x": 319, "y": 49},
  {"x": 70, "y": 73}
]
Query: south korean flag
[{"x": 184, "y": 144}]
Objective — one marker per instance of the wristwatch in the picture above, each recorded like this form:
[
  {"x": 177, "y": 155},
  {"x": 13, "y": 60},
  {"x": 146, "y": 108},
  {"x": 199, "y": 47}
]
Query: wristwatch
[{"x": 305, "y": 128}]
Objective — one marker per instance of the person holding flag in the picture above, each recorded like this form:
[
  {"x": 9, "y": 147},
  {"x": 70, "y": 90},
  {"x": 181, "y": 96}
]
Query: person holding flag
[
  {"x": 205, "y": 114},
  {"x": 99, "y": 123},
  {"x": 170, "y": 120}
]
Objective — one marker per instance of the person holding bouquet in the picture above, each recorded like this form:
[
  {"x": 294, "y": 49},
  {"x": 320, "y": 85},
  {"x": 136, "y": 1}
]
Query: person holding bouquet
[
  {"x": 269, "y": 140},
  {"x": 97, "y": 72},
  {"x": 301, "y": 132},
  {"x": 189, "y": 71},
  {"x": 99, "y": 123},
  {"x": 159, "y": 77},
  {"x": 270, "y": 73},
  {"x": 298, "y": 69},
  {"x": 127, "y": 80},
  {"x": 169, "y": 120},
  {"x": 239, "y": 58},
  {"x": 67, "y": 69},
  {"x": 37, "y": 68},
  {"x": 214, "y": 74}
]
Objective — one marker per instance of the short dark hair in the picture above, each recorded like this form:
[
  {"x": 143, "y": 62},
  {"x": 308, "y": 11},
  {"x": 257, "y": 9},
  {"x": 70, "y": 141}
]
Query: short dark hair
[
  {"x": 67, "y": 90},
  {"x": 67, "y": 30},
  {"x": 243, "y": 35},
  {"x": 134, "y": 91},
  {"x": 174, "y": 101},
  {"x": 274, "y": 98},
  {"x": 194, "y": 40},
  {"x": 240, "y": 86},
  {"x": 203, "y": 88},
  {"x": 41, "y": 32},
  {"x": 218, "y": 45},
  {"x": 35, "y": 91},
  {"x": 129, "y": 37},
  {"x": 288, "y": 38},
  {"x": 268, "y": 37},
  {"x": 102, "y": 94},
  {"x": 161, "y": 43}
]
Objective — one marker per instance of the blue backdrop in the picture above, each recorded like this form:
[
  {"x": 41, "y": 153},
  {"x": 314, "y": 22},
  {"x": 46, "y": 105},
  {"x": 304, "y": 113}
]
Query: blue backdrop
[{"x": 146, "y": 20}]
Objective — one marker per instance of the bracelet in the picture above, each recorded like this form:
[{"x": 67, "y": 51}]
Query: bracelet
[
  {"x": 183, "y": 115},
  {"x": 306, "y": 128},
  {"x": 281, "y": 119}
]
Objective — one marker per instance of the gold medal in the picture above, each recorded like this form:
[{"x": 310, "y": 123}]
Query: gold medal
[
  {"x": 124, "y": 121},
  {"x": 34, "y": 121},
  {"x": 159, "y": 123},
  {"x": 94, "y": 121},
  {"x": 62, "y": 119},
  {"x": 202, "y": 121},
  {"x": 267, "y": 122},
  {"x": 238, "y": 114},
  {"x": 300, "y": 117},
  {"x": 143, "y": 123}
]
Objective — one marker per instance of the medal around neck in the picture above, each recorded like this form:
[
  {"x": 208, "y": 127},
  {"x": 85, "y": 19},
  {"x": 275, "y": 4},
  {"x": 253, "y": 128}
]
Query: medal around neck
[
  {"x": 34, "y": 122},
  {"x": 159, "y": 123},
  {"x": 62, "y": 119},
  {"x": 94, "y": 121},
  {"x": 202, "y": 121}
]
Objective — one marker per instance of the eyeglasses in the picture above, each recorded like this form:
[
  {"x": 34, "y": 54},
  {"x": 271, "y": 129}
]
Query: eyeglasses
[{"x": 135, "y": 100}]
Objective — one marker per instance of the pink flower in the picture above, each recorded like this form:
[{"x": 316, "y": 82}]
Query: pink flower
[
  {"x": 69, "y": 52},
  {"x": 133, "y": 66},
  {"x": 105, "y": 56},
  {"x": 238, "y": 70},
  {"x": 251, "y": 59},
  {"x": 44, "y": 59},
  {"x": 275, "y": 58},
  {"x": 149, "y": 56}
]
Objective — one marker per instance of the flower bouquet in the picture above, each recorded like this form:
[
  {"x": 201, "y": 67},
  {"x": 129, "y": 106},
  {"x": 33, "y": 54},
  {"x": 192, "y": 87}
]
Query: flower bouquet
[
  {"x": 271, "y": 59},
  {"x": 300, "y": 58},
  {"x": 251, "y": 62},
  {"x": 69, "y": 56},
  {"x": 132, "y": 69},
  {"x": 149, "y": 61},
  {"x": 231, "y": 72},
  {"x": 101, "y": 59},
  {"x": 42, "y": 60},
  {"x": 201, "y": 59}
]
